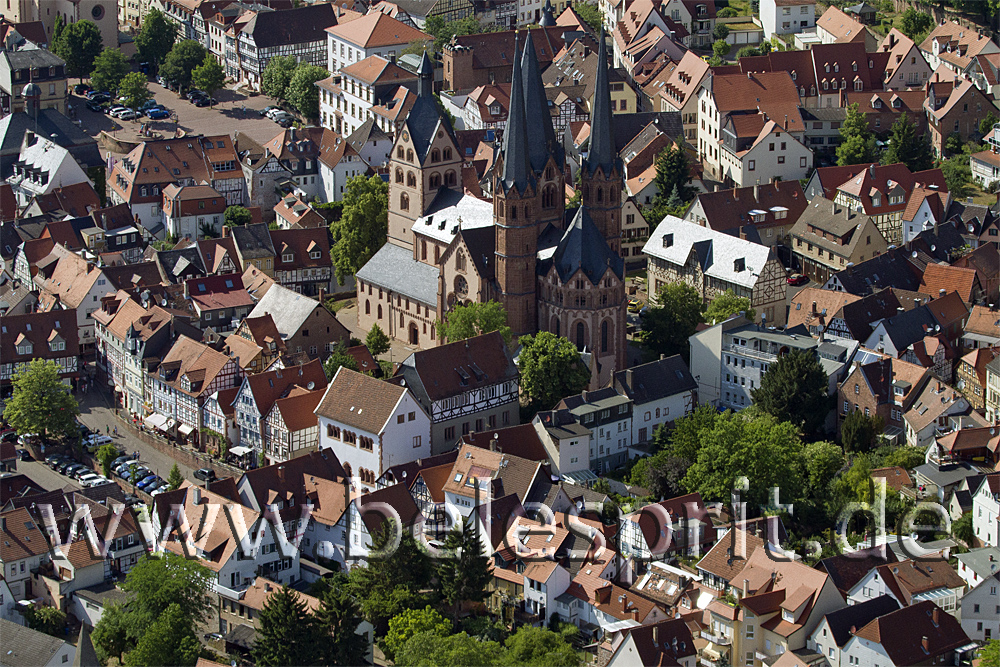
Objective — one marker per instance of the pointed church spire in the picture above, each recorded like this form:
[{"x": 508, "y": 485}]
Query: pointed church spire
[
  {"x": 516, "y": 169},
  {"x": 426, "y": 74},
  {"x": 602, "y": 149},
  {"x": 541, "y": 135},
  {"x": 548, "y": 16}
]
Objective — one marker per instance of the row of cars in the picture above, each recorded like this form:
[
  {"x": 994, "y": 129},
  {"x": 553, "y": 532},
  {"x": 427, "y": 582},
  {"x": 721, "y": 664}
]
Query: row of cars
[
  {"x": 101, "y": 102},
  {"x": 278, "y": 115},
  {"x": 200, "y": 98}
]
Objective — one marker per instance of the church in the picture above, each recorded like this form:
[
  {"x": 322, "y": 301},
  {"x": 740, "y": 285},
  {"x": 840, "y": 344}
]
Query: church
[{"x": 553, "y": 269}]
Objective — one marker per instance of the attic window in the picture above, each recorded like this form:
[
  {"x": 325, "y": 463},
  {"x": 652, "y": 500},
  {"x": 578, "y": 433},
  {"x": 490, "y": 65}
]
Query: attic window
[
  {"x": 739, "y": 265},
  {"x": 458, "y": 477},
  {"x": 668, "y": 240}
]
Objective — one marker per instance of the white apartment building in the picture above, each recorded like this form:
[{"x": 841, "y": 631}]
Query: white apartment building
[
  {"x": 373, "y": 34},
  {"x": 784, "y": 17},
  {"x": 986, "y": 510}
]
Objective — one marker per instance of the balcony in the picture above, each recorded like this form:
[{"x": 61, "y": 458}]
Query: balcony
[
  {"x": 751, "y": 353},
  {"x": 719, "y": 640},
  {"x": 763, "y": 657}
]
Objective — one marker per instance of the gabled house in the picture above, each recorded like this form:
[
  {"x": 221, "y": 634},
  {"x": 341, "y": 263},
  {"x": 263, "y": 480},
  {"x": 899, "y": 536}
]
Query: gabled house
[
  {"x": 929, "y": 415},
  {"x": 827, "y": 238},
  {"x": 192, "y": 211},
  {"x": 907, "y": 68},
  {"x": 661, "y": 392},
  {"x": 887, "y": 387},
  {"x": 954, "y": 106},
  {"x": 371, "y": 425},
  {"x": 481, "y": 475},
  {"x": 302, "y": 259},
  {"x": 23, "y": 548},
  {"x": 771, "y": 210},
  {"x": 40, "y": 335},
  {"x": 981, "y": 609},
  {"x": 291, "y": 212},
  {"x": 679, "y": 525},
  {"x": 41, "y": 167},
  {"x": 465, "y": 387},
  {"x": 970, "y": 375},
  {"x": 954, "y": 46},
  {"x": 894, "y": 638},
  {"x": 304, "y": 324},
  {"x": 838, "y": 627},
  {"x": 911, "y": 582},
  {"x": 220, "y": 302},
  {"x": 663, "y": 644},
  {"x": 986, "y": 510}
]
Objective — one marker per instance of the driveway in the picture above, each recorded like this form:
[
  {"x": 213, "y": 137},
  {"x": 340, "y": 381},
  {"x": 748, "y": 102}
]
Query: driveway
[{"x": 235, "y": 111}]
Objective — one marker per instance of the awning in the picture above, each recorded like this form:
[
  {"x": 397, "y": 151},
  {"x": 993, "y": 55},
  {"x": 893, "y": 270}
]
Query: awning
[
  {"x": 154, "y": 421},
  {"x": 184, "y": 429},
  {"x": 168, "y": 425},
  {"x": 240, "y": 451}
]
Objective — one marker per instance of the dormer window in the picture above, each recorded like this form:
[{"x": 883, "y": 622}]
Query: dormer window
[
  {"x": 896, "y": 103},
  {"x": 315, "y": 254},
  {"x": 787, "y": 616},
  {"x": 25, "y": 348},
  {"x": 287, "y": 257},
  {"x": 186, "y": 383}
]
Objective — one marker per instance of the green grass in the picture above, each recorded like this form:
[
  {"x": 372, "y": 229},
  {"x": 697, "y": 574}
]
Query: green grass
[
  {"x": 979, "y": 196},
  {"x": 336, "y": 305}
]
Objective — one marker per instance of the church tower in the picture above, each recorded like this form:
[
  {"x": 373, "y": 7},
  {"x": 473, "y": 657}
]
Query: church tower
[
  {"x": 545, "y": 153},
  {"x": 601, "y": 179},
  {"x": 425, "y": 158},
  {"x": 516, "y": 203}
]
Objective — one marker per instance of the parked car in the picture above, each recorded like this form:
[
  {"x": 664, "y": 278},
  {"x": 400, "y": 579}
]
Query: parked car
[
  {"x": 148, "y": 104},
  {"x": 94, "y": 106},
  {"x": 157, "y": 113},
  {"x": 193, "y": 93},
  {"x": 81, "y": 89},
  {"x": 205, "y": 474},
  {"x": 10, "y": 435},
  {"x": 64, "y": 465},
  {"x": 99, "y": 96},
  {"x": 24, "y": 455},
  {"x": 146, "y": 481},
  {"x": 266, "y": 111},
  {"x": 271, "y": 111},
  {"x": 113, "y": 110},
  {"x": 87, "y": 477},
  {"x": 129, "y": 114},
  {"x": 158, "y": 483},
  {"x": 52, "y": 460},
  {"x": 131, "y": 500},
  {"x": 137, "y": 474},
  {"x": 73, "y": 469},
  {"x": 285, "y": 122},
  {"x": 797, "y": 279},
  {"x": 27, "y": 438}
]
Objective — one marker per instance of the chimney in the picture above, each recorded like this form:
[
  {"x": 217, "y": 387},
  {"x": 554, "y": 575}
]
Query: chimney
[
  {"x": 716, "y": 187},
  {"x": 583, "y": 395},
  {"x": 786, "y": 121},
  {"x": 493, "y": 444},
  {"x": 814, "y": 308},
  {"x": 628, "y": 377},
  {"x": 871, "y": 170},
  {"x": 746, "y": 588},
  {"x": 925, "y": 643},
  {"x": 196, "y": 495},
  {"x": 656, "y": 635},
  {"x": 624, "y": 603},
  {"x": 854, "y": 629},
  {"x": 635, "y": 614},
  {"x": 225, "y": 231},
  {"x": 756, "y": 187}
]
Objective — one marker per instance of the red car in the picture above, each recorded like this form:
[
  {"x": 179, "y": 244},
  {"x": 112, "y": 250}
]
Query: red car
[{"x": 797, "y": 279}]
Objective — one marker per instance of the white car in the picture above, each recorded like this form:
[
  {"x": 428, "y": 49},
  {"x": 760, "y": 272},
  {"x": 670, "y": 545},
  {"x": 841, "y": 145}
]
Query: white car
[
  {"x": 276, "y": 110},
  {"x": 129, "y": 114},
  {"x": 85, "y": 480},
  {"x": 96, "y": 481},
  {"x": 26, "y": 438}
]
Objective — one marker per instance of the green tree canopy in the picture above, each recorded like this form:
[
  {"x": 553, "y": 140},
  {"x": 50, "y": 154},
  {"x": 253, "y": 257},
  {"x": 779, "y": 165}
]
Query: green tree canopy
[
  {"x": 672, "y": 320},
  {"x": 727, "y": 13},
  {"x": 339, "y": 616},
  {"x": 822, "y": 460},
  {"x": 720, "y": 48},
  {"x": 747, "y": 52},
  {"x": 237, "y": 216},
  {"x": 363, "y": 226},
  {"x": 551, "y": 369},
  {"x": 426, "y": 649},
  {"x": 766, "y": 451},
  {"x": 376, "y": 341},
  {"x": 913, "y": 23},
  {"x": 339, "y": 357},
  {"x": 46, "y": 619},
  {"x": 110, "y": 635},
  {"x": 685, "y": 440},
  {"x": 856, "y": 484},
  {"x": 175, "y": 478},
  {"x": 860, "y": 432},
  {"x": 590, "y": 13},
  {"x": 209, "y": 75},
  {"x": 673, "y": 174},
  {"x": 474, "y": 319},
  {"x": 105, "y": 455},
  {"x": 986, "y": 124},
  {"x": 661, "y": 473},
  {"x": 443, "y": 31},
  {"x": 169, "y": 640},
  {"x": 465, "y": 571},
  {"x": 156, "y": 38},
  {"x": 538, "y": 647},
  {"x": 277, "y": 75},
  {"x": 727, "y": 304},
  {"x": 721, "y": 31},
  {"x": 110, "y": 67},
  {"x": 857, "y": 142},
  {"x": 794, "y": 389},
  {"x": 302, "y": 91},
  {"x": 412, "y": 622},
  {"x": 134, "y": 88},
  {"x": 962, "y": 529},
  {"x": 180, "y": 63},
  {"x": 79, "y": 44},
  {"x": 41, "y": 403},
  {"x": 287, "y": 634},
  {"x": 907, "y": 147},
  {"x": 989, "y": 654},
  {"x": 958, "y": 176}
]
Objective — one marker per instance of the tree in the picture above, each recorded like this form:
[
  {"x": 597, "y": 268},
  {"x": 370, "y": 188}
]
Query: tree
[
  {"x": 672, "y": 177},
  {"x": 412, "y": 622},
  {"x": 907, "y": 147},
  {"x": 720, "y": 47},
  {"x": 363, "y": 226},
  {"x": 721, "y": 32},
  {"x": 49, "y": 620},
  {"x": 765, "y": 48},
  {"x": 912, "y": 23},
  {"x": 110, "y": 67},
  {"x": 169, "y": 640},
  {"x": 339, "y": 357},
  {"x": 661, "y": 474},
  {"x": 685, "y": 439},
  {"x": 209, "y": 76},
  {"x": 376, "y": 341},
  {"x": 339, "y": 616},
  {"x": 427, "y": 649},
  {"x": 857, "y": 143},
  {"x": 727, "y": 13},
  {"x": 287, "y": 634},
  {"x": 538, "y": 647},
  {"x": 958, "y": 176},
  {"x": 180, "y": 63},
  {"x": 175, "y": 478},
  {"x": 551, "y": 369},
  {"x": 794, "y": 390},
  {"x": 57, "y": 28},
  {"x": 989, "y": 654},
  {"x": 110, "y": 635},
  {"x": 443, "y": 31},
  {"x": 156, "y": 38},
  {"x": 759, "y": 447},
  {"x": 302, "y": 91},
  {"x": 747, "y": 52},
  {"x": 856, "y": 484},
  {"x": 474, "y": 319},
  {"x": 986, "y": 124},
  {"x": 953, "y": 144},
  {"x": 590, "y": 13},
  {"x": 277, "y": 75},
  {"x": 962, "y": 529},
  {"x": 106, "y": 454},
  {"x": 237, "y": 216},
  {"x": 727, "y": 304},
  {"x": 133, "y": 87},
  {"x": 822, "y": 460},
  {"x": 859, "y": 432},
  {"x": 79, "y": 45},
  {"x": 41, "y": 403},
  {"x": 675, "y": 317},
  {"x": 466, "y": 571}
]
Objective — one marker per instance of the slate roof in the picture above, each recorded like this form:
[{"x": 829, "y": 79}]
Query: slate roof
[
  {"x": 298, "y": 25},
  {"x": 886, "y": 270},
  {"x": 897, "y": 630},
  {"x": 857, "y": 616},
  {"x": 583, "y": 248},
  {"x": 397, "y": 497},
  {"x": 252, "y": 241},
  {"x": 177, "y": 265},
  {"x": 288, "y": 309},
  {"x": 394, "y": 268},
  {"x": 52, "y": 125},
  {"x": 521, "y": 440},
  {"x": 24, "y": 647},
  {"x": 496, "y": 49},
  {"x": 655, "y": 380}
]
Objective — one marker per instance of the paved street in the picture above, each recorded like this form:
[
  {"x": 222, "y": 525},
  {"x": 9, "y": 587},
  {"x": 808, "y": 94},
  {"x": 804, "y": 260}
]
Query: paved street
[
  {"x": 227, "y": 117},
  {"x": 45, "y": 476}
]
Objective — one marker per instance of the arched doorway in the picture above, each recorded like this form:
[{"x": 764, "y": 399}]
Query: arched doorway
[
  {"x": 581, "y": 335},
  {"x": 414, "y": 334}
]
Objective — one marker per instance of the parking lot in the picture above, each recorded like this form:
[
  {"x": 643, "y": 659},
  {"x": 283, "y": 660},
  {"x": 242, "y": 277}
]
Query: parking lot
[{"x": 234, "y": 111}]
